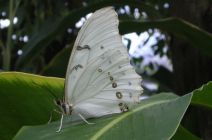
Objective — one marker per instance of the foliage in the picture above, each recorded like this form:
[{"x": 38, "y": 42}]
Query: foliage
[{"x": 50, "y": 26}]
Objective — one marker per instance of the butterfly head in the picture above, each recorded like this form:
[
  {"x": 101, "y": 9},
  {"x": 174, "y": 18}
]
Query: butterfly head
[{"x": 65, "y": 107}]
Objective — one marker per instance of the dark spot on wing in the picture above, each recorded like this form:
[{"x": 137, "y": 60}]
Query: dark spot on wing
[
  {"x": 119, "y": 95},
  {"x": 114, "y": 84}
]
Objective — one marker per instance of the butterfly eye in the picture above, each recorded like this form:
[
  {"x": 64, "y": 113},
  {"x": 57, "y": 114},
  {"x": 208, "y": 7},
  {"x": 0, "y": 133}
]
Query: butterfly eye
[
  {"x": 102, "y": 47},
  {"x": 119, "y": 95},
  {"x": 114, "y": 85}
]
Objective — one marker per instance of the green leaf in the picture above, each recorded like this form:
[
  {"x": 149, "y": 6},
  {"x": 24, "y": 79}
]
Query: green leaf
[
  {"x": 155, "y": 118},
  {"x": 187, "y": 31},
  {"x": 184, "y": 134},
  {"x": 26, "y": 99},
  {"x": 57, "y": 25},
  {"x": 203, "y": 96}
]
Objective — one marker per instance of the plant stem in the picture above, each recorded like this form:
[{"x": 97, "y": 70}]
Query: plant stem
[{"x": 7, "y": 50}]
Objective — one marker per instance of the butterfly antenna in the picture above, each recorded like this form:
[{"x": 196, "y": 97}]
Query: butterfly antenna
[
  {"x": 84, "y": 119},
  {"x": 61, "y": 124}
]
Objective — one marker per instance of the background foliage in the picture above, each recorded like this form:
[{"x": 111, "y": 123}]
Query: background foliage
[{"x": 41, "y": 39}]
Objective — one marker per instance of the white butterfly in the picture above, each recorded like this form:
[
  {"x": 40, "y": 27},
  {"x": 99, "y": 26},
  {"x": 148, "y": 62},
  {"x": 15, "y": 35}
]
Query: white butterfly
[{"x": 99, "y": 78}]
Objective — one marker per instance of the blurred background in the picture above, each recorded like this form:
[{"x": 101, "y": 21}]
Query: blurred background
[{"x": 169, "y": 42}]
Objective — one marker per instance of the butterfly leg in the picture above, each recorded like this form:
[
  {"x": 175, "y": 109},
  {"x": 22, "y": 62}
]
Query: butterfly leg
[
  {"x": 84, "y": 119},
  {"x": 50, "y": 119},
  {"x": 61, "y": 120},
  {"x": 61, "y": 124}
]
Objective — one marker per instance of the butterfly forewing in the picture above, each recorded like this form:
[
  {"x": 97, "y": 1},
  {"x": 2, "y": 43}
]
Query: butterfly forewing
[{"x": 99, "y": 78}]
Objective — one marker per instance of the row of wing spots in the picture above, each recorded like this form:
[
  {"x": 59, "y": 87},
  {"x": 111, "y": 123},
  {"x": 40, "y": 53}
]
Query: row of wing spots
[
  {"x": 95, "y": 17},
  {"x": 111, "y": 77},
  {"x": 119, "y": 96},
  {"x": 105, "y": 45},
  {"x": 97, "y": 107},
  {"x": 118, "y": 80},
  {"x": 100, "y": 25},
  {"x": 126, "y": 84}
]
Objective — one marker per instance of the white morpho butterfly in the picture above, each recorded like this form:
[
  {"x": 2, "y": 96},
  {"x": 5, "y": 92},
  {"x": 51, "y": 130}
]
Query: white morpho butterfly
[{"x": 99, "y": 78}]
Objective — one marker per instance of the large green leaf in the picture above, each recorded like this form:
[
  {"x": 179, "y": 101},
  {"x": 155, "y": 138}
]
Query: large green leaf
[
  {"x": 155, "y": 118},
  {"x": 26, "y": 99},
  {"x": 57, "y": 25},
  {"x": 203, "y": 96},
  {"x": 191, "y": 33}
]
